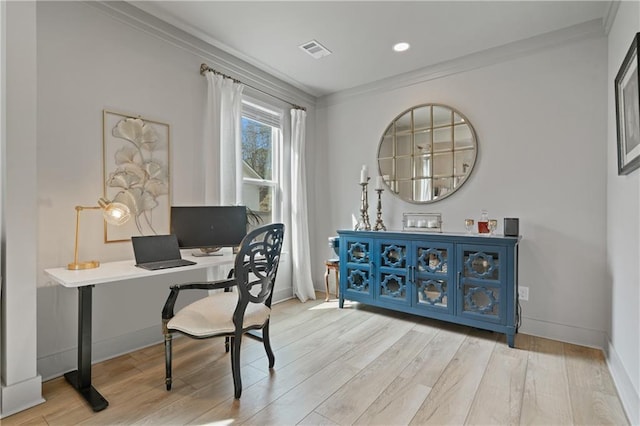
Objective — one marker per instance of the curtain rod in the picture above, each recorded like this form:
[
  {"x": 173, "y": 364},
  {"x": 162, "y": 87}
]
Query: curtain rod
[{"x": 204, "y": 68}]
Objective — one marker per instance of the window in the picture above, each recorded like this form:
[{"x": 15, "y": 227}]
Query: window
[{"x": 261, "y": 146}]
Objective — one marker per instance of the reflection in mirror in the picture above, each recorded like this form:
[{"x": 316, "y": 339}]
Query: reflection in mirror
[{"x": 427, "y": 153}]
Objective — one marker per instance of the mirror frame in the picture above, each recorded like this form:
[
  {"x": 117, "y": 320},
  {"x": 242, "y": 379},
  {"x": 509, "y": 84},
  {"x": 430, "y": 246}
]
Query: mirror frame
[{"x": 404, "y": 126}]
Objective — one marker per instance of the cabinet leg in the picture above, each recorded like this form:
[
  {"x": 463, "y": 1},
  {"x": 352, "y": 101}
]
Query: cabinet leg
[{"x": 511, "y": 339}]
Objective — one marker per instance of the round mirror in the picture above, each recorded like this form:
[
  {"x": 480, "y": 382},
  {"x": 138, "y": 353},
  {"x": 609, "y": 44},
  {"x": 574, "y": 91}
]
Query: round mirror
[{"x": 427, "y": 153}]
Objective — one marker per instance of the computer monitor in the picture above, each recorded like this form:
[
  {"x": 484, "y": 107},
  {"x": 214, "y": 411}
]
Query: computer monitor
[{"x": 209, "y": 227}]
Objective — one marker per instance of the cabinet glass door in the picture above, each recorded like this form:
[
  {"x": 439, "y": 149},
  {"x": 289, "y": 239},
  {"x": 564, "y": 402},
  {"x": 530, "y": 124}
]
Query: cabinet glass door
[
  {"x": 432, "y": 276},
  {"x": 393, "y": 271},
  {"x": 357, "y": 269},
  {"x": 481, "y": 291}
]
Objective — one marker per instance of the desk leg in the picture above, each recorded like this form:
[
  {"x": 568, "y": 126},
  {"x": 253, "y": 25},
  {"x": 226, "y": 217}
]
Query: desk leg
[{"x": 81, "y": 378}]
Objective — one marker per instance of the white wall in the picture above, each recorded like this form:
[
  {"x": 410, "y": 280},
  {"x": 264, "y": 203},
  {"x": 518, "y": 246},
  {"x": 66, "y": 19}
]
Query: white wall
[
  {"x": 540, "y": 121},
  {"x": 623, "y": 234},
  {"x": 3, "y": 87},
  {"x": 91, "y": 58}
]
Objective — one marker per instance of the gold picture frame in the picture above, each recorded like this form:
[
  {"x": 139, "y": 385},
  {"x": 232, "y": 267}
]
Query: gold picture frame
[{"x": 136, "y": 172}]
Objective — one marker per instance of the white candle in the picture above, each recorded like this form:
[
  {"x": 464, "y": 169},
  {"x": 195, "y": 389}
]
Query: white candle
[
  {"x": 364, "y": 174},
  {"x": 379, "y": 182}
]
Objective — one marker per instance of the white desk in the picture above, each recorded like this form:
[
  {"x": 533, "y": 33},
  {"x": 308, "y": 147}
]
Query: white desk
[{"x": 109, "y": 272}]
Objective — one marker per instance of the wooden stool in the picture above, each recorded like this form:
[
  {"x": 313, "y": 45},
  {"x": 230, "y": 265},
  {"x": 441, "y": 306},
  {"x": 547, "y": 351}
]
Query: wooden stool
[{"x": 335, "y": 265}]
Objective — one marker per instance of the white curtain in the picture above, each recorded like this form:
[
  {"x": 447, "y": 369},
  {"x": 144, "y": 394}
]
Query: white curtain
[
  {"x": 300, "y": 254},
  {"x": 222, "y": 149}
]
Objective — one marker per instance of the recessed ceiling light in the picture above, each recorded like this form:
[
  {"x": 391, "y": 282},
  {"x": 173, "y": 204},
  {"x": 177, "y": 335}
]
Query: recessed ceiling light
[{"x": 401, "y": 47}]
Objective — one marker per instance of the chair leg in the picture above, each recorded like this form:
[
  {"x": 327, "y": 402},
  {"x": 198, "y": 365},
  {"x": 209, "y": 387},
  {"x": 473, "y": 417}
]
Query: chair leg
[
  {"x": 267, "y": 345},
  {"x": 337, "y": 282},
  {"x": 228, "y": 290},
  {"x": 167, "y": 358},
  {"x": 235, "y": 365},
  {"x": 326, "y": 285}
]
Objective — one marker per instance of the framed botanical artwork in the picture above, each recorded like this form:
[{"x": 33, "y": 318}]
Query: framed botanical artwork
[
  {"x": 627, "y": 90},
  {"x": 136, "y": 173}
]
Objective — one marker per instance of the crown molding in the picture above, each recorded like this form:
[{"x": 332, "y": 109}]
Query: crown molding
[
  {"x": 235, "y": 66},
  {"x": 610, "y": 15},
  {"x": 484, "y": 58},
  {"x": 152, "y": 9},
  {"x": 224, "y": 62}
]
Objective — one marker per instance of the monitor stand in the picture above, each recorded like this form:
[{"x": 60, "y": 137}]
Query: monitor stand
[{"x": 207, "y": 251}]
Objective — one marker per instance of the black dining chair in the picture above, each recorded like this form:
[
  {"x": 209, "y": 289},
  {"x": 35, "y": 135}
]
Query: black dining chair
[{"x": 231, "y": 313}]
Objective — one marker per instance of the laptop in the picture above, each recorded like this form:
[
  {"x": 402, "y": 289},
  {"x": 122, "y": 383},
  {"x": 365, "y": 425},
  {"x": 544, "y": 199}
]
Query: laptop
[{"x": 158, "y": 252}]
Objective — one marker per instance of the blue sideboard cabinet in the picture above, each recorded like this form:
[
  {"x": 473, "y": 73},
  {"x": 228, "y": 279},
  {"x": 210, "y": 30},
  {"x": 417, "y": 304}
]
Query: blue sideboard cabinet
[{"x": 461, "y": 278}]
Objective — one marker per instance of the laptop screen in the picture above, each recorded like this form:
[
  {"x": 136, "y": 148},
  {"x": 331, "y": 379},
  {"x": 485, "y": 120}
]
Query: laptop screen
[{"x": 155, "y": 248}]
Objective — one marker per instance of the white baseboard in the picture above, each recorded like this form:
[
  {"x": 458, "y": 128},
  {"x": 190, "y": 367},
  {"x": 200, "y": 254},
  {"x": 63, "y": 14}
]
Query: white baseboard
[
  {"x": 282, "y": 295},
  {"x": 20, "y": 396},
  {"x": 564, "y": 333},
  {"x": 550, "y": 330},
  {"x": 55, "y": 365},
  {"x": 626, "y": 391}
]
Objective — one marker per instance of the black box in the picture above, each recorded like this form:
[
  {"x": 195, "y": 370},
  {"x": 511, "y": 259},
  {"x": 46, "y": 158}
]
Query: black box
[{"x": 511, "y": 226}]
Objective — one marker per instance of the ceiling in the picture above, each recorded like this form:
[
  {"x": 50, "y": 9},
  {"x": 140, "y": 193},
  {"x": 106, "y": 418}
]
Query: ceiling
[{"x": 360, "y": 34}]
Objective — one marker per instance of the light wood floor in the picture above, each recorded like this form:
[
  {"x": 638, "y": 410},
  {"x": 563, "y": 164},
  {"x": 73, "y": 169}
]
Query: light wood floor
[{"x": 358, "y": 365}]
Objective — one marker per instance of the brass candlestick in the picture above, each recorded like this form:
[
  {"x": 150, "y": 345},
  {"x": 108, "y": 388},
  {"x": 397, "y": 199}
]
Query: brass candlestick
[
  {"x": 379, "y": 224},
  {"x": 363, "y": 224}
]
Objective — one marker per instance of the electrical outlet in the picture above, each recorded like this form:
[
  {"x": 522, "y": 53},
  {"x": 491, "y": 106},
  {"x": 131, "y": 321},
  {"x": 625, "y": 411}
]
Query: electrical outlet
[{"x": 523, "y": 293}]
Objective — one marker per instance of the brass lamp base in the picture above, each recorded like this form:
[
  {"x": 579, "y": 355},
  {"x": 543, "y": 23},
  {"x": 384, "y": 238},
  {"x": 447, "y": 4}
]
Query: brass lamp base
[{"x": 76, "y": 266}]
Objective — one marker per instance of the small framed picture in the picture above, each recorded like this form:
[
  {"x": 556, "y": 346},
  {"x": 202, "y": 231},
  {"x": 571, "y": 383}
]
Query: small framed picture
[{"x": 627, "y": 91}]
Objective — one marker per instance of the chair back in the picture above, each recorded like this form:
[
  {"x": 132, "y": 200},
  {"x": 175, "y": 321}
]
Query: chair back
[{"x": 256, "y": 265}]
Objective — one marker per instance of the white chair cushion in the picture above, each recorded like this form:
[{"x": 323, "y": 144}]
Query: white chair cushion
[{"x": 214, "y": 315}]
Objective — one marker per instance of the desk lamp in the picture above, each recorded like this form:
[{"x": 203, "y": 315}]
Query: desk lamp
[{"x": 114, "y": 213}]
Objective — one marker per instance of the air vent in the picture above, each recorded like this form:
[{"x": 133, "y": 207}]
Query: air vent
[{"x": 315, "y": 49}]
